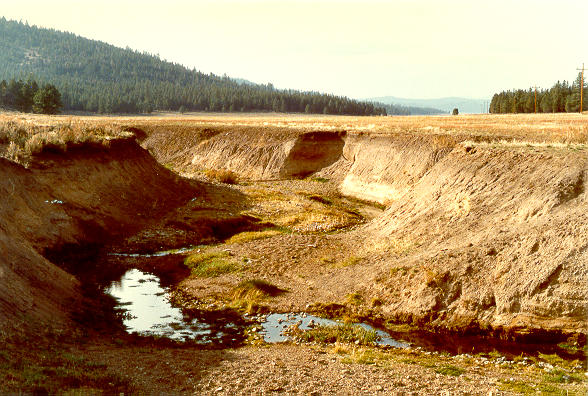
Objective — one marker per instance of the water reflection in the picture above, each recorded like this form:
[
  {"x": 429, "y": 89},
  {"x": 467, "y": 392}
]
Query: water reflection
[{"x": 149, "y": 312}]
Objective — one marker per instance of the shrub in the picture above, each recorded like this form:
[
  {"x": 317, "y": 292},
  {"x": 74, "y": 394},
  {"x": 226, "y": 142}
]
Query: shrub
[{"x": 222, "y": 175}]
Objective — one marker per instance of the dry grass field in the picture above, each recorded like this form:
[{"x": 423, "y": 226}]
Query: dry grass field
[{"x": 554, "y": 128}]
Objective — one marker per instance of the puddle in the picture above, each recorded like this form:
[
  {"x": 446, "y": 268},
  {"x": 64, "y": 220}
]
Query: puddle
[
  {"x": 148, "y": 312},
  {"x": 162, "y": 253},
  {"x": 273, "y": 327}
]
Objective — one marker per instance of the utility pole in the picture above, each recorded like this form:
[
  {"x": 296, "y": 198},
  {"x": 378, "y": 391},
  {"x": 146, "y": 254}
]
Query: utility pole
[
  {"x": 535, "y": 99},
  {"x": 581, "y": 89}
]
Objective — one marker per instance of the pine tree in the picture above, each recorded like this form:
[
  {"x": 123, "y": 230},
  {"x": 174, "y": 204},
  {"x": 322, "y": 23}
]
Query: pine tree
[{"x": 47, "y": 100}]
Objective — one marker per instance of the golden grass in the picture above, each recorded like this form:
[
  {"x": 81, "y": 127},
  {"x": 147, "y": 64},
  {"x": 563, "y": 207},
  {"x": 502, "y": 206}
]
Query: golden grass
[
  {"x": 568, "y": 129},
  {"x": 25, "y": 138},
  {"x": 247, "y": 236},
  {"x": 247, "y": 294}
]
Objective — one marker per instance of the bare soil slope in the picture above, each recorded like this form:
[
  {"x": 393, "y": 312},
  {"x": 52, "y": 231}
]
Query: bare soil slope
[
  {"x": 485, "y": 227},
  {"x": 63, "y": 206}
]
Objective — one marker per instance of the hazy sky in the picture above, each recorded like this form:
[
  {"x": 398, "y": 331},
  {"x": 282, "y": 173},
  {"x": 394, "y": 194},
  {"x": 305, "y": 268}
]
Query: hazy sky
[{"x": 414, "y": 49}]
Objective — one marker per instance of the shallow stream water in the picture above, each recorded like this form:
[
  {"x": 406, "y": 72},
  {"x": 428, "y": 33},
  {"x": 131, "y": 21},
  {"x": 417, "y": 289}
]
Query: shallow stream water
[{"x": 147, "y": 311}]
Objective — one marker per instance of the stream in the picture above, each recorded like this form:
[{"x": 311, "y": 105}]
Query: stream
[{"x": 146, "y": 310}]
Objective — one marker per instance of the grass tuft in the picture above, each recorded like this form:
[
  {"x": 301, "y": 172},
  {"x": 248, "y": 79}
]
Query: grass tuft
[
  {"x": 354, "y": 298},
  {"x": 450, "y": 370},
  {"x": 247, "y": 236},
  {"x": 255, "y": 289},
  {"x": 222, "y": 175},
  {"x": 247, "y": 294},
  {"x": 212, "y": 264},
  {"x": 345, "y": 333}
]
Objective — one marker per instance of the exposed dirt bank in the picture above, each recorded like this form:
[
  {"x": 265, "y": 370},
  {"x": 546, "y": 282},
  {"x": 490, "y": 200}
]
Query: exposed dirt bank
[
  {"x": 481, "y": 233},
  {"x": 64, "y": 207}
]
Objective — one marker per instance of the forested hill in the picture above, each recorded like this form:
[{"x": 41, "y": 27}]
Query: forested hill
[
  {"x": 98, "y": 77},
  {"x": 562, "y": 97}
]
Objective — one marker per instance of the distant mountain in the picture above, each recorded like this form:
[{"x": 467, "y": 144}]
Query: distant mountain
[
  {"x": 98, "y": 77},
  {"x": 464, "y": 105}
]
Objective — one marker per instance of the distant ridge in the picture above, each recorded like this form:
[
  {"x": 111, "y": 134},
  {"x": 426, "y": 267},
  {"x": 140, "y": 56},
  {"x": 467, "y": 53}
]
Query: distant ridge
[
  {"x": 98, "y": 77},
  {"x": 464, "y": 105}
]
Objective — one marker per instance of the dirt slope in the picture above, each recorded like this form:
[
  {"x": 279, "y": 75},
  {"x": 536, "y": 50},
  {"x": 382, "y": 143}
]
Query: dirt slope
[
  {"x": 63, "y": 206},
  {"x": 504, "y": 241},
  {"x": 492, "y": 234}
]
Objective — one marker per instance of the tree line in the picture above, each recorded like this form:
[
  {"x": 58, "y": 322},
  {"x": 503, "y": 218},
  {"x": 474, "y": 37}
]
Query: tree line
[
  {"x": 27, "y": 96},
  {"x": 562, "y": 97},
  {"x": 97, "y": 77}
]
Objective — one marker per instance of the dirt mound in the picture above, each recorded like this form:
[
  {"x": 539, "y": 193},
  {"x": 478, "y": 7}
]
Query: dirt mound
[{"x": 385, "y": 167}]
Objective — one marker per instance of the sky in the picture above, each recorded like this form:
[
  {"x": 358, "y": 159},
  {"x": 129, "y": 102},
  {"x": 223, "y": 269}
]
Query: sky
[{"x": 359, "y": 49}]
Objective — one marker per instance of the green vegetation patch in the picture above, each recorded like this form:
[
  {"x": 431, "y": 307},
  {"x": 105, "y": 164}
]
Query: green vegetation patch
[
  {"x": 320, "y": 199},
  {"x": 348, "y": 262},
  {"x": 211, "y": 264},
  {"x": 247, "y": 236},
  {"x": 526, "y": 388},
  {"x": 562, "y": 377},
  {"x": 247, "y": 294},
  {"x": 366, "y": 356},
  {"x": 345, "y": 333},
  {"x": 450, "y": 370},
  {"x": 318, "y": 179},
  {"x": 55, "y": 372}
]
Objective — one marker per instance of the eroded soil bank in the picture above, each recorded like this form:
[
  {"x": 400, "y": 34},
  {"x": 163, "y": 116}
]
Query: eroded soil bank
[
  {"x": 479, "y": 234},
  {"x": 450, "y": 233}
]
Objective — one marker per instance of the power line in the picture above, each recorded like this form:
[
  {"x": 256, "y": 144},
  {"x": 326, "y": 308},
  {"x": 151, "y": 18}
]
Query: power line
[{"x": 582, "y": 89}]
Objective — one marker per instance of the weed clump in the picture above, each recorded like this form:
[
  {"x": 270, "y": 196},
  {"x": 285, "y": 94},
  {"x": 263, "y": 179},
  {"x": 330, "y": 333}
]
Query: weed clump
[
  {"x": 222, "y": 175},
  {"x": 247, "y": 236},
  {"x": 247, "y": 294},
  {"x": 345, "y": 333},
  {"x": 210, "y": 265}
]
